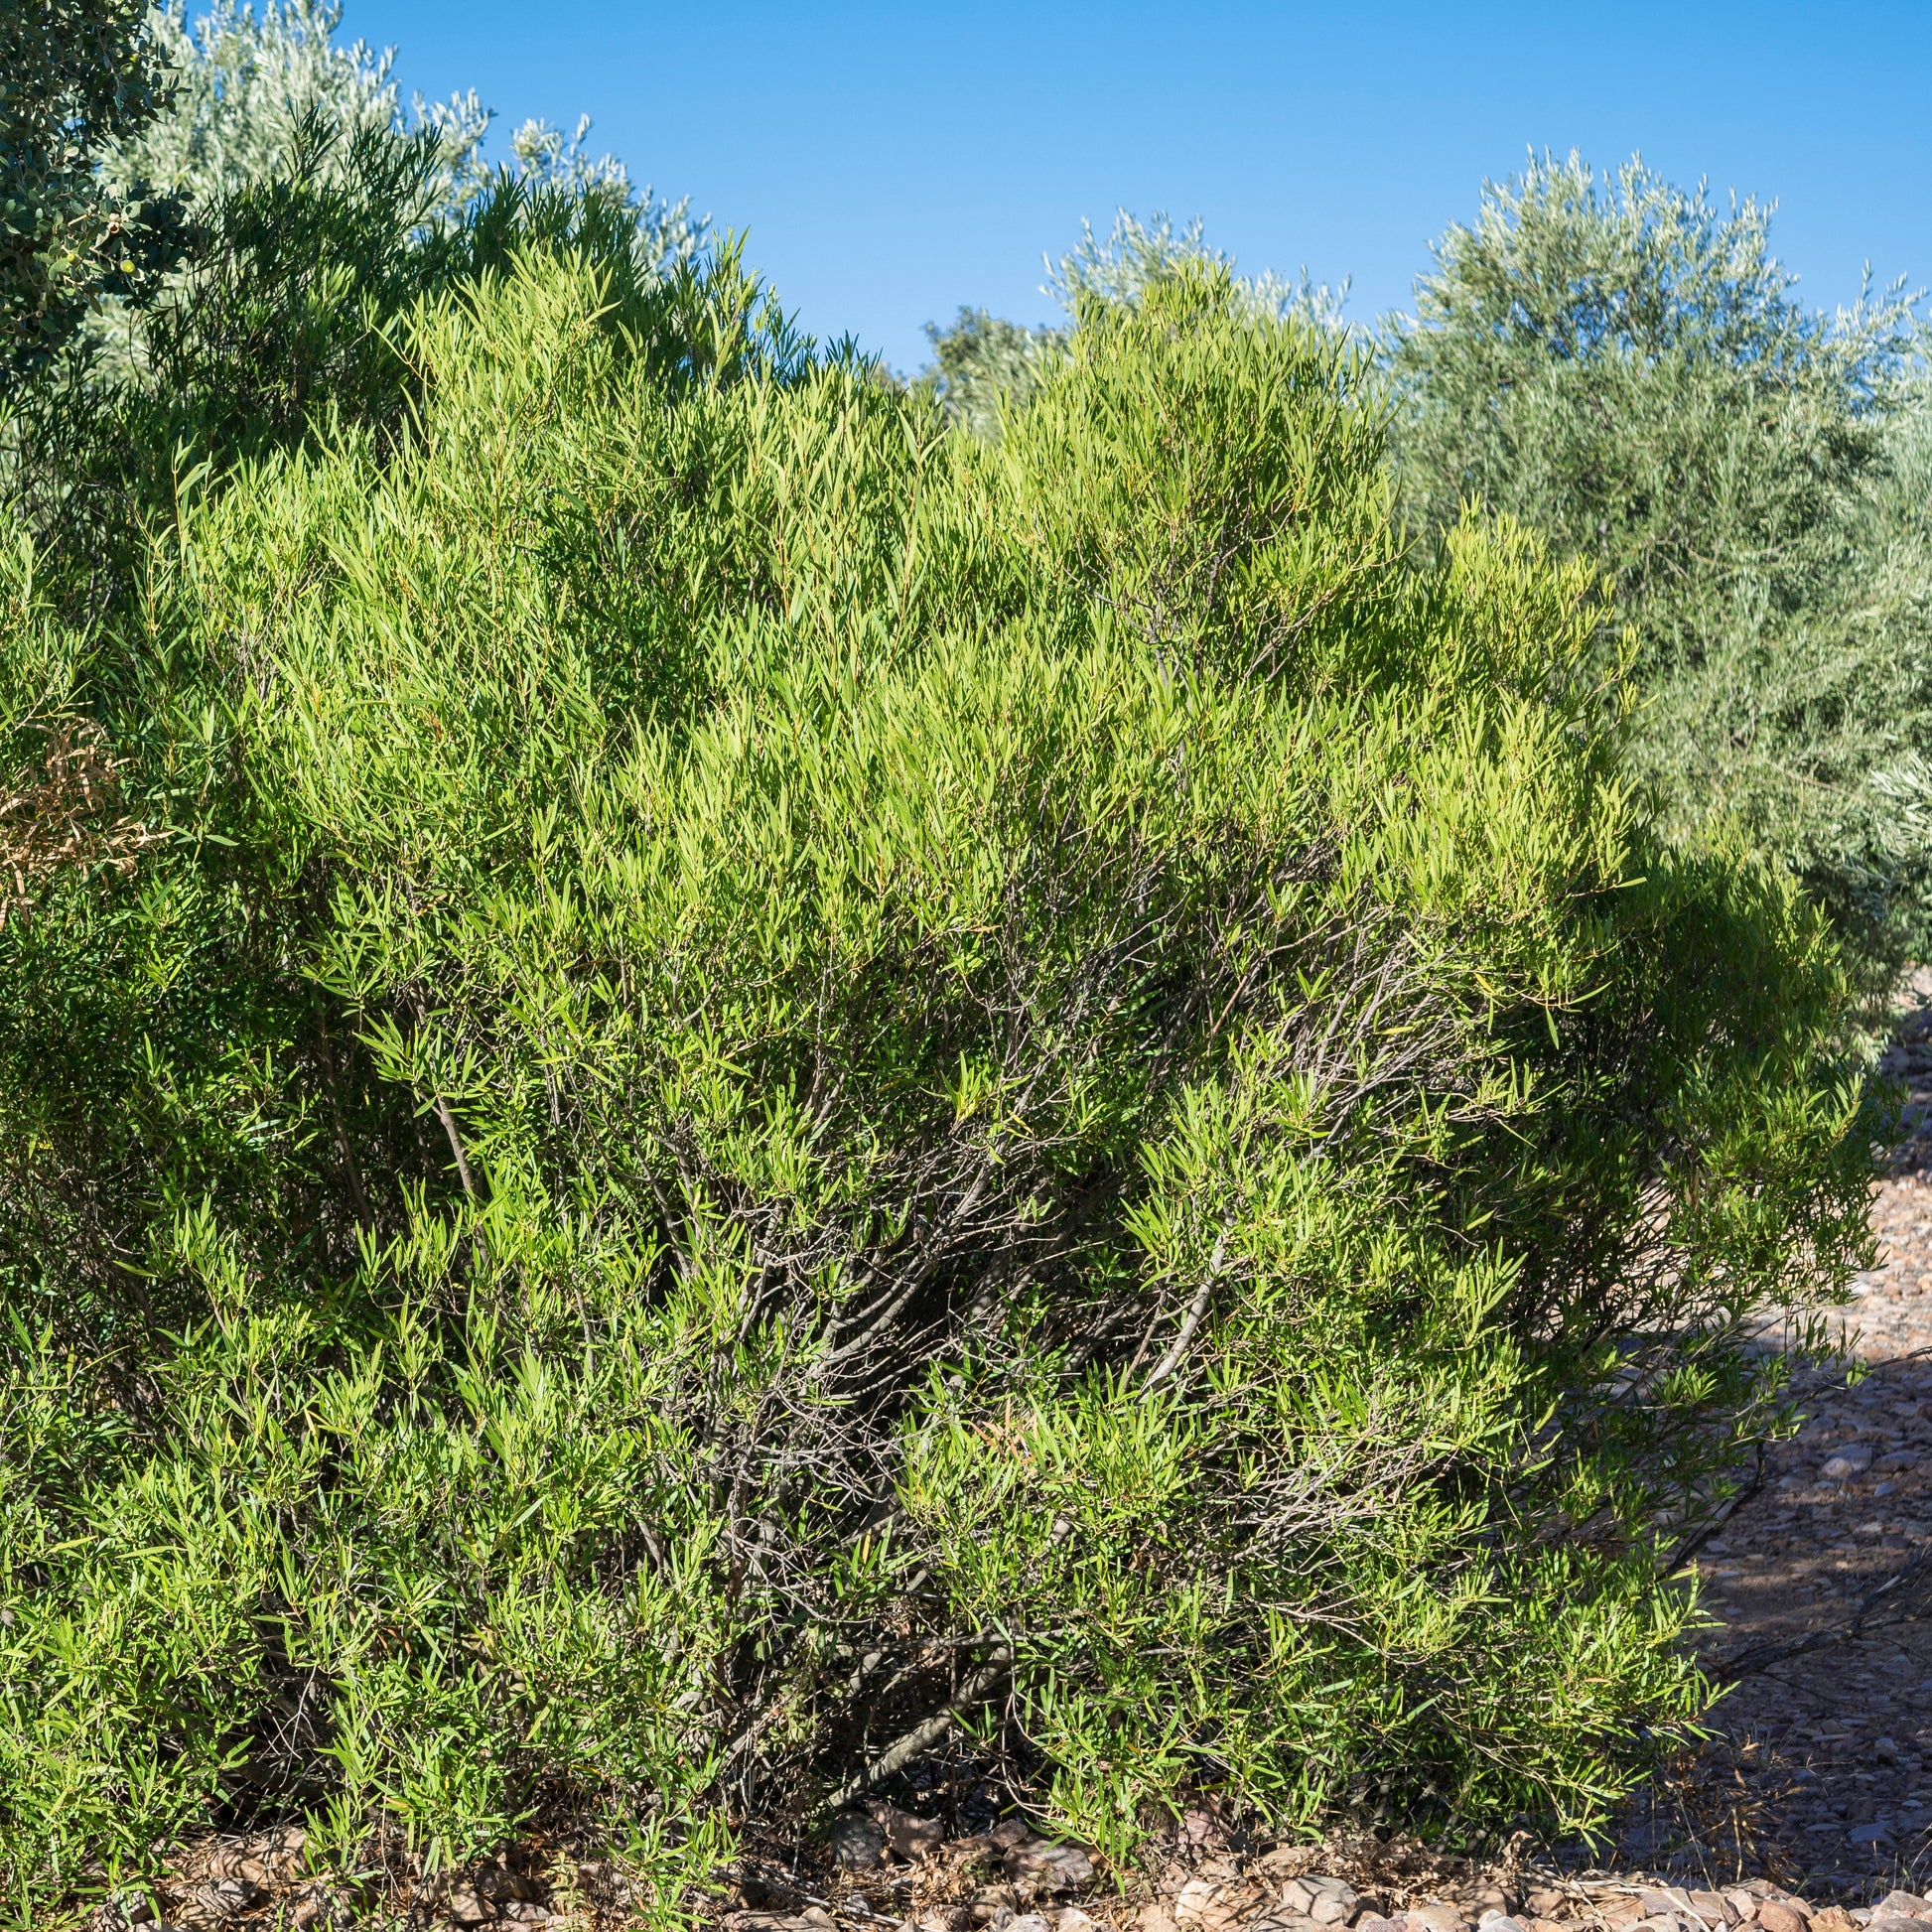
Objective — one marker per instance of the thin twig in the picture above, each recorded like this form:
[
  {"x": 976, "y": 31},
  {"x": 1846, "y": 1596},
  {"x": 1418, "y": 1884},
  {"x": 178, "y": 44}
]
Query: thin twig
[
  {"x": 1697, "y": 1537},
  {"x": 923, "y": 1737},
  {"x": 1760, "y": 1656},
  {"x": 1168, "y": 1362}
]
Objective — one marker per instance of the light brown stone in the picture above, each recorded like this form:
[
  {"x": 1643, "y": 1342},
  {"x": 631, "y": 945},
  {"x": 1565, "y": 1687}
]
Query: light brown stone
[
  {"x": 1193, "y": 1900},
  {"x": 911, "y": 1836},
  {"x": 1899, "y": 1904},
  {"x": 1287, "y": 1860},
  {"x": 1054, "y": 1868}
]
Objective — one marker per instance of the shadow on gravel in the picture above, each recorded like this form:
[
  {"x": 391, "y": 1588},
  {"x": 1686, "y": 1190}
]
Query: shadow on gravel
[{"x": 1820, "y": 1586}]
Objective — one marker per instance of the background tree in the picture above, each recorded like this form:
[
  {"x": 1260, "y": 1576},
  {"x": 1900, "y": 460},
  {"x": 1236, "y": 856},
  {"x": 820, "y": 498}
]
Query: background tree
[
  {"x": 1622, "y": 364},
  {"x": 243, "y": 84},
  {"x": 255, "y": 99},
  {"x": 76, "y": 76},
  {"x": 323, "y": 209},
  {"x": 984, "y": 360},
  {"x": 244, "y": 81}
]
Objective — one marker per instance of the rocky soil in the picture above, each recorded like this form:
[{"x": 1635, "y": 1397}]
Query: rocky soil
[
  {"x": 898, "y": 1870},
  {"x": 902, "y": 1873},
  {"x": 1819, "y": 1587}
]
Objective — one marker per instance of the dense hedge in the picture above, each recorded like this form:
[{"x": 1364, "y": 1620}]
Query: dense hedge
[{"x": 782, "y": 1070}]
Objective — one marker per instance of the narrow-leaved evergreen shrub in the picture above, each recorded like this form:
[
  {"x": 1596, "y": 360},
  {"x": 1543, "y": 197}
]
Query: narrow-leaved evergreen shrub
[{"x": 787, "y": 1072}]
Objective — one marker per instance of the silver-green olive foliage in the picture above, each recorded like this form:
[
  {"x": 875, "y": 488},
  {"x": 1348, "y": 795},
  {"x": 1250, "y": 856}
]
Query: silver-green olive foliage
[
  {"x": 76, "y": 76},
  {"x": 1624, "y": 365}
]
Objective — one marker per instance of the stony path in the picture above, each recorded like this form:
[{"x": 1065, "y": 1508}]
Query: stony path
[{"x": 1821, "y": 1769}]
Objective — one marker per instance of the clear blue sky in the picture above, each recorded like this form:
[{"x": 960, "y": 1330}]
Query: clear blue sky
[{"x": 890, "y": 163}]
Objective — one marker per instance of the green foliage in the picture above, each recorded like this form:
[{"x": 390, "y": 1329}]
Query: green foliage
[
  {"x": 1623, "y": 365},
  {"x": 260, "y": 101},
  {"x": 777, "y": 1061},
  {"x": 279, "y": 326},
  {"x": 74, "y": 75},
  {"x": 984, "y": 362}
]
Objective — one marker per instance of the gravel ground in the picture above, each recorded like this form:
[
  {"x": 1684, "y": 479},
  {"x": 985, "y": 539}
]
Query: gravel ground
[{"x": 1820, "y": 1772}]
